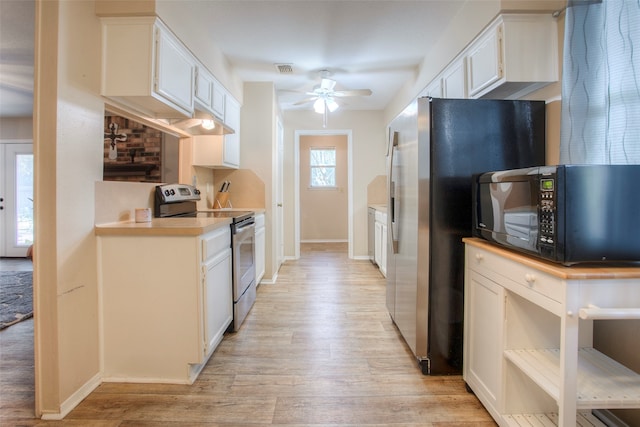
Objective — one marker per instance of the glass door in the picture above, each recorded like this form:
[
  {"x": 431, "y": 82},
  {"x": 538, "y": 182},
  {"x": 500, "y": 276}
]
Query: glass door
[{"x": 16, "y": 199}]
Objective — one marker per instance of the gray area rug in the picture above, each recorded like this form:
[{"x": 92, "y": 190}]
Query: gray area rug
[{"x": 16, "y": 297}]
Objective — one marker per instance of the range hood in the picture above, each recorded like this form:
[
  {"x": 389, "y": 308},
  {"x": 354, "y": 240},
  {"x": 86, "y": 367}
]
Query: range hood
[{"x": 194, "y": 126}]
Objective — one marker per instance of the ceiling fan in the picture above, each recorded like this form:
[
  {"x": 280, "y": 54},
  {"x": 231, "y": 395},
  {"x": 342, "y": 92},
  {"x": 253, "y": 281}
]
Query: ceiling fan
[{"x": 324, "y": 96}]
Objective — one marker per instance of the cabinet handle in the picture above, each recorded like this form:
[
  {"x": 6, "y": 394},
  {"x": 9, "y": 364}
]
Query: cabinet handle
[
  {"x": 479, "y": 257},
  {"x": 530, "y": 278}
]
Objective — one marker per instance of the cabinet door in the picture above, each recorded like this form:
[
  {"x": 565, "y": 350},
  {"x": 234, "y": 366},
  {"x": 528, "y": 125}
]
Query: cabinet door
[
  {"x": 231, "y": 152},
  {"x": 218, "y": 299},
  {"x": 454, "y": 84},
  {"x": 434, "y": 89},
  {"x": 175, "y": 69},
  {"x": 204, "y": 87},
  {"x": 483, "y": 334},
  {"x": 260, "y": 253},
  {"x": 377, "y": 257},
  {"x": 383, "y": 250},
  {"x": 484, "y": 61},
  {"x": 219, "y": 97}
]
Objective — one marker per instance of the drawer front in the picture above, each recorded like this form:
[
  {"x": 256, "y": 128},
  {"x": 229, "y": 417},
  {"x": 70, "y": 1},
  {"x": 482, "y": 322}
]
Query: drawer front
[
  {"x": 215, "y": 242},
  {"x": 522, "y": 279}
]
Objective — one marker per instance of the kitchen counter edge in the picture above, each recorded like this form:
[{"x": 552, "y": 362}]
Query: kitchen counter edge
[
  {"x": 162, "y": 227},
  {"x": 578, "y": 271}
]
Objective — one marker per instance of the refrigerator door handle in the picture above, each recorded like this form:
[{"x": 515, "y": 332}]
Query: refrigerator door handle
[{"x": 393, "y": 224}]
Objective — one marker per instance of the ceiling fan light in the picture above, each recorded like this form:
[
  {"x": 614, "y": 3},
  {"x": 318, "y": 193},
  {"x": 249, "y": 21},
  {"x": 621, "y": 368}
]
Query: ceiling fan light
[
  {"x": 332, "y": 105},
  {"x": 318, "y": 106}
]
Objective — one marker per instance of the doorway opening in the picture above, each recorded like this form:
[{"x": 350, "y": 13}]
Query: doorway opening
[
  {"x": 303, "y": 140},
  {"x": 16, "y": 198}
]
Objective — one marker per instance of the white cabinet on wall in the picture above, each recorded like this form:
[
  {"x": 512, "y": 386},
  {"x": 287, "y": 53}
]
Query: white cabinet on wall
[
  {"x": 145, "y": 67},
  {"x": 204, "y": 88},
  {"x": 528, "y": 345},
  {"x": 218, "y": 102},
  {"x": 454, "y": 83},
  {"x": 232, "y": 141},
  {"x": 261, "y": 248},
  {"x": 434, "y": 89},
  {"x": 209, "y": 93},
  {"x": 220, "y": 151},
  {"x": 515, "y": 55}
]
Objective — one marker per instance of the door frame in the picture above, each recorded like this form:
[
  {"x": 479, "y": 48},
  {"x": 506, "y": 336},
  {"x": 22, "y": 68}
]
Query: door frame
[{"x": 332, "y": 132}]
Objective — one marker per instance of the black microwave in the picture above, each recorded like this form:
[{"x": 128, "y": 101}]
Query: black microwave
[{"x": 566, "y": 214}]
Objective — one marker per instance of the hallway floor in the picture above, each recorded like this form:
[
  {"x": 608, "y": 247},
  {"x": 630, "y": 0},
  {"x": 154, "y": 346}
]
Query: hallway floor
[{"x": 317, "y": 349}]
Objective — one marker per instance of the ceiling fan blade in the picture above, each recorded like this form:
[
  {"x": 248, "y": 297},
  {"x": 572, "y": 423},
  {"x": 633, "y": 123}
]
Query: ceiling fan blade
[
  {"x": 306, "y": 100},
  {"x": 355, "y": 92},
  {"x": 327, "y": 84}
]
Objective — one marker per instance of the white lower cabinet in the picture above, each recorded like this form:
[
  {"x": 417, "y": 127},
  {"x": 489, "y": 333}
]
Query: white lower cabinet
[
  {"x": 217, "y": 295},
  {"x": 260, "y": 243},
  {"x": 380, "y": 251},
  {"x": 484, "y": 314},
  {"x": 528, "y": 350},
  {"x": 165, "y": 303}
]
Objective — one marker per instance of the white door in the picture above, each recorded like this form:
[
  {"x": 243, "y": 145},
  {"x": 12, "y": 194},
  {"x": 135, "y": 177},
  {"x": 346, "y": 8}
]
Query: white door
[
  {"x": 16, "y": 199},
  {"x": 279, "y": 195}
]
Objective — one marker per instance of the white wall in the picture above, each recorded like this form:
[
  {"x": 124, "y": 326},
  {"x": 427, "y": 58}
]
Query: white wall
[
  {"x": 258, "y": 153},
  {"x": 369, "y": 150},
  {"x": 68, "y": 131}
]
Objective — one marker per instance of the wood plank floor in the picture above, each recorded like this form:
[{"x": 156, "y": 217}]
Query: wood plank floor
[{"x": 317, "y": 349}]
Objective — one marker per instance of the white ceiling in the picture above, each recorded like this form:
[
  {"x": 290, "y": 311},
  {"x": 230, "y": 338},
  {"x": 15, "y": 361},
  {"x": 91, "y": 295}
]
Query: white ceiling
[
  {"x": 16, "y": 57},
  {"x": 365, "y": 44}
]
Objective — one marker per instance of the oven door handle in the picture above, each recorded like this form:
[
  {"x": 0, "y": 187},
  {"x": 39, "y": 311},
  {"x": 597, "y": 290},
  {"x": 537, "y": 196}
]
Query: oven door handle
[{"x": 244, "y": 227}]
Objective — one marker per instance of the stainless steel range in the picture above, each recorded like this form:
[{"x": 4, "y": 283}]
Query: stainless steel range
[{"x": 179, "y": 201}]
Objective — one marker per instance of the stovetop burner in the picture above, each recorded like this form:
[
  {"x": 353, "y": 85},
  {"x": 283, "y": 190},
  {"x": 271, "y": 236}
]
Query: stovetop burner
[{"x": 179, "y": 200}]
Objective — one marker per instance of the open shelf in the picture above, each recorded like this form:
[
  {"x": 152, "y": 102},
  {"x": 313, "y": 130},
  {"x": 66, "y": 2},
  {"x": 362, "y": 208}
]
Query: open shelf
[
  {"x": 603, "y": 383},
  {"x": 583, "y": 419}
]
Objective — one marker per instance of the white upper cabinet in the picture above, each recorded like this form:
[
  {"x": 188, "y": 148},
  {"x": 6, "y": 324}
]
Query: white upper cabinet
[
  {"x": 219, "y": 99},
  {"x": 145, "y": 67},
  {"x": 209, "y": 93},
  {"x": 232, "y": 141},
  {"x": 204, "y": 87},
  {"x": 515, "y": 55},
  {"x": 434, "y": 89},
  {"x": 454, "y": 83}
]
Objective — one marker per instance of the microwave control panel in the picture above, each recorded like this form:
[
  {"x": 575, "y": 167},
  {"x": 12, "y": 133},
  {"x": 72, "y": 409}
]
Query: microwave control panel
[{"x": 547, "y": 214}]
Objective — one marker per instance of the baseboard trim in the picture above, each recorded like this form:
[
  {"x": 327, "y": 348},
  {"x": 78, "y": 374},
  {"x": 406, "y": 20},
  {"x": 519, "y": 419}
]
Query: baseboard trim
[
  {"x": 270, "y": 281},
  {"x": 75, "y": 399}
]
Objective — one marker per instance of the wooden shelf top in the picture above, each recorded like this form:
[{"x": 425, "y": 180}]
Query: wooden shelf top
[{"x": 591, "y": 271}]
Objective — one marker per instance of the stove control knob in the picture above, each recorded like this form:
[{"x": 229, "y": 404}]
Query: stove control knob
[
  {"x": 173, "y": 192},
  {"x": 196, "y": 191},
  {"x": 167, "y": 193}
]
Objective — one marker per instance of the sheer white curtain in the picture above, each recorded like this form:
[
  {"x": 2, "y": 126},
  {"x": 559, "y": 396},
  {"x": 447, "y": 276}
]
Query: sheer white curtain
[{"x": 601, "y": 83}]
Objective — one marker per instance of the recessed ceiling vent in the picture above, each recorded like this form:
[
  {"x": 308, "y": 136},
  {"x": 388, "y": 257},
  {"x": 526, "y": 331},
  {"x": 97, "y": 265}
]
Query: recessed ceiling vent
[{"x": 284, "y": 68}]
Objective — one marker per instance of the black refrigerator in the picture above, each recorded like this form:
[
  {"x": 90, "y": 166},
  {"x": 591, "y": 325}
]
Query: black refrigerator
[{"x": 435, "y": 148}]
